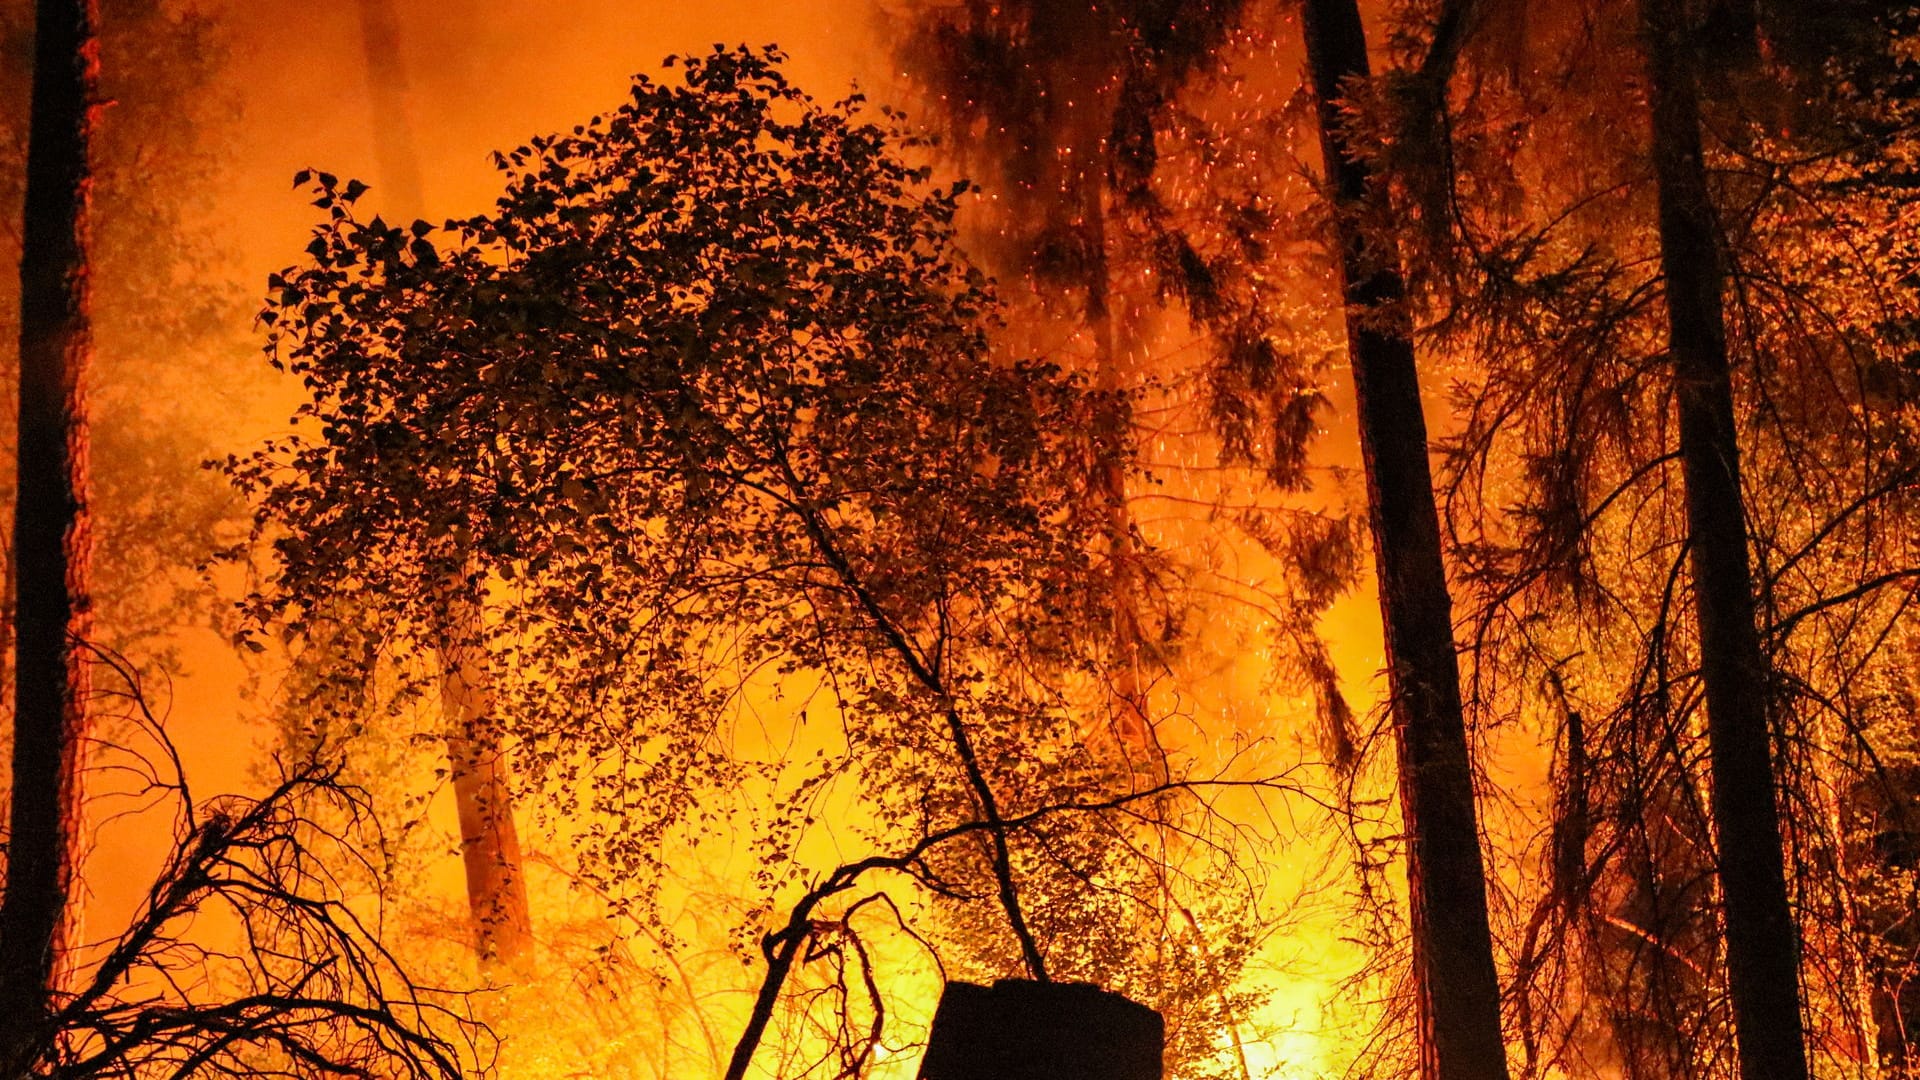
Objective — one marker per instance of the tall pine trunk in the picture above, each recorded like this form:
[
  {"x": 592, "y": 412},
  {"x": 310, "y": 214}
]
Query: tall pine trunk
[
  {"x": 482, "y": 786},
  {"x": 476, "y": 757},
  {"x": 1763, "y": 971},
  {"x": 51, "y": 530},
  {"x": 1457, "y": 987}
]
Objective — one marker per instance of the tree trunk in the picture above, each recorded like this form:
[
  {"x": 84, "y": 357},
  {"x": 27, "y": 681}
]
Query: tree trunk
[
  {"x": 52, "y": 539},
  {"x": 482, "y": 788},
  {"x": 387, "y": 87},
  {"x": 1763, "y": 971},
  {"x": 482, "y": 781},
  {"x": 1457, "y": 987}
]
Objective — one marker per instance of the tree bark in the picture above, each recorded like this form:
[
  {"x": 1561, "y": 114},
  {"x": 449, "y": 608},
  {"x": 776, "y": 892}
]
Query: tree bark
[
  {"x": 1457, "y": 987},
  {"x": 1763, "y": 970},
  {"x": 482, "y": 788},
  {"x": 52, "y": 537}
]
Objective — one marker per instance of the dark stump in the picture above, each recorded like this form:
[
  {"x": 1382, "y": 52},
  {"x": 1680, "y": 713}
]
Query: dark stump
[{"x": 1022, "y": 1030}]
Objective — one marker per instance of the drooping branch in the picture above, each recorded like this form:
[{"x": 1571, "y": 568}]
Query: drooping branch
[{"x": 307, "y": 978}]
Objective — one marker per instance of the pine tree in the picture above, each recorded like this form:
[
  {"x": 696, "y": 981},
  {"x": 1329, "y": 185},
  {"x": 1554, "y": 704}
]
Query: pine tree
[
  {"x": 52, "y": 541},
  {"x": 1070, "y": 112},
  {"x": 1455, "y": 981},
  {"x": 1763, "y": 956}
]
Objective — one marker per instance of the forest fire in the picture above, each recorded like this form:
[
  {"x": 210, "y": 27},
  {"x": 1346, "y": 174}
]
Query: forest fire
[{"x": 1229, "y": 539}]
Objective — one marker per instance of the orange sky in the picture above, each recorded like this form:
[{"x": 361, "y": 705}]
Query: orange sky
[{"x": 484, "y": 74}]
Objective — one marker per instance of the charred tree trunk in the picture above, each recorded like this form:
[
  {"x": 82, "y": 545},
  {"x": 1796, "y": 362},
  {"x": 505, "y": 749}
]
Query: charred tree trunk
[
  {"x": 1458, "y": 989},
  {"x": 51, "y": 529},
  {"x": 1763, "y": 970},
  {"x": 482, "y": 788}
]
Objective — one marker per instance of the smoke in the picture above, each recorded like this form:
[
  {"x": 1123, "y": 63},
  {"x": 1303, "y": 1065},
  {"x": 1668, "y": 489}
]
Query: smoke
[{"x": 480, "y": 75}]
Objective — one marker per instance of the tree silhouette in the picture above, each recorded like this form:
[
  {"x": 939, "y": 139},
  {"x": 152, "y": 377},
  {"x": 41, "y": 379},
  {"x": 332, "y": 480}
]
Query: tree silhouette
[
  {"x": 1573, "y": 525},
  {"x": 708, "y": 393},
  {"x": 52, "y": 539},
  {"x": 1458, "y": 992},
  {"x": 302, "y": 987}
]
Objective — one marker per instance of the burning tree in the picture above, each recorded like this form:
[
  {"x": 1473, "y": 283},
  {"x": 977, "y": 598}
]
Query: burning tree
[
  {"x": 1141, "y": 197},
  {"x": 705, "y": 407},
  {"x": 1140, "y": 204},
  {"x": 1457, "y": 990},
  {"x": 1762, "y": 942},
  {"x": 1666, "y": 337}
]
